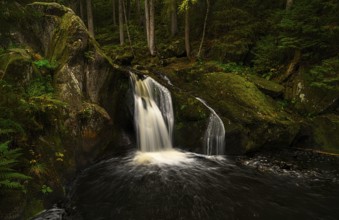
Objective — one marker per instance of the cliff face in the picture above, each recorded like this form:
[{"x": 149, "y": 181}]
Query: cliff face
[{"x": 92, "y": 87}]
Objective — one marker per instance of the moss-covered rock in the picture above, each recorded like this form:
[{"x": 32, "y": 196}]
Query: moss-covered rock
[
  {"x": 320, "y": 133},
  {"x": 268, "y": 87},
  {"x": 252, "y": 119},
  {"x": 309, "y": 99},
  {"x": 16, "y": 65},
  {"x": 92, "y": 88}
]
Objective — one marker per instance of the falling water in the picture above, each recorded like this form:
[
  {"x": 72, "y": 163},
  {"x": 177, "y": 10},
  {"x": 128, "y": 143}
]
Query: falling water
[
  {"x": 153, "y": 115},
  {"x": 215, "y": 133}
]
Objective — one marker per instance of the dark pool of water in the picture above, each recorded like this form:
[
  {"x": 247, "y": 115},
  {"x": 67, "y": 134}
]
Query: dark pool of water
[{"x": 204, "y": 188}]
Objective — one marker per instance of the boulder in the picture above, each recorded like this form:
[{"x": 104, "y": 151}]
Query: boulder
[
  {"x": 309, "y": 99},
  {"x": 320, "y": 133},
  {"x": 84, "y": 78},
  {"x": 270, "y": 88},
  {"x": 252, "y": 119}
]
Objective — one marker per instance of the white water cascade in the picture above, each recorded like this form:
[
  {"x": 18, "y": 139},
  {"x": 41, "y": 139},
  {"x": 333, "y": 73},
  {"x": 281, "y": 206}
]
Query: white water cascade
[
  {"x": 153, "y": 115},
  {"x": 215, "y": 133}
]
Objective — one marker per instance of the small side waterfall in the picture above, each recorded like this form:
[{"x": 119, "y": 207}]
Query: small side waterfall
[
  {"x": 215, "y": 133},
  {"x": 153, "y": 114}
]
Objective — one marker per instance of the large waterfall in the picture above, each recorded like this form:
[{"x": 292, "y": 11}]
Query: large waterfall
[
  {"x": 153, "y": 114},
  {"x": 215, "y": 133}
]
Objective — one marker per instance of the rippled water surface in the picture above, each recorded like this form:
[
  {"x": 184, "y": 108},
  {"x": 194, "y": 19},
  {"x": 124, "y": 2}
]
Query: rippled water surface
[{"x": 189, "y": 186}]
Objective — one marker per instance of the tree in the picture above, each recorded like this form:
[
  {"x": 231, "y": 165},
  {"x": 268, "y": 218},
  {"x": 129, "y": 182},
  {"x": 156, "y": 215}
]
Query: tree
[
  {"x": 113, "y": 14},
  {"x": 121, "y": 23},
  {"x": 204, "y": 29},
  {"x": 150, "y": 30},
  {"x": 82, "y": 12},
  {"x": 185, "y": 7},
  {"x": 90, "y": 17},
  {"x": 174, "y": 17}
]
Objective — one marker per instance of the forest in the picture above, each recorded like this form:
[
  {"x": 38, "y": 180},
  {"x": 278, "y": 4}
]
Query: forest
[{"x": 255, "y": 82}]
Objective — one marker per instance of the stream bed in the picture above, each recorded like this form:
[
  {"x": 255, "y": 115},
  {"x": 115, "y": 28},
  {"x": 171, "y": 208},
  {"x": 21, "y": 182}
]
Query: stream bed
[{"x": 181, "y": 185}]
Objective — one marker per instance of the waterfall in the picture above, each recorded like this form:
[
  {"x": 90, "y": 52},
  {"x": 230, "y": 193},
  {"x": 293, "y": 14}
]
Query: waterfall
[
  {"x": 153, "y": 114},
  {"x": 215, "y": 133}
]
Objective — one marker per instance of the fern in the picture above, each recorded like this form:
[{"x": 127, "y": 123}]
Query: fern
[{"x": 10, "y": 179}]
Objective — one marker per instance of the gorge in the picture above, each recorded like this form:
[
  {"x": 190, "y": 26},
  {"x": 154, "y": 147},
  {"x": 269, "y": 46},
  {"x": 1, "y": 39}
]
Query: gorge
[{"x": 91, "y": 130}]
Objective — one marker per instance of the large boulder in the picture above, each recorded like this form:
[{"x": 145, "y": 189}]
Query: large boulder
[
  {"x": 320, "y": 133},
  {"x": 252, "y": 119},
  {"x": 84, "y": 78}
]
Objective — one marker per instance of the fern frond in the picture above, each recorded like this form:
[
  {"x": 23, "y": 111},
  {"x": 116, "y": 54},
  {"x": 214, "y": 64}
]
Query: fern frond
[{"x": 6, "y": 184}]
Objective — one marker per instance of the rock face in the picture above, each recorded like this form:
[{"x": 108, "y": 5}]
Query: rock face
[{"x": 85, "y": 79}]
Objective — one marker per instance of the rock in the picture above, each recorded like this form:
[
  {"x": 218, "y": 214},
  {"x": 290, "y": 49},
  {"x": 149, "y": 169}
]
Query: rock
[
  {"x": 16, "y": 66},
  {"x": 320, "y": 133},
  {"x": 309, "y": 99},
  {"x": 268, "y": 87},
  {"x": 124, "y": 59},
  {"x": 252, "y": 120},
  {"x": 84, "y": 78}
]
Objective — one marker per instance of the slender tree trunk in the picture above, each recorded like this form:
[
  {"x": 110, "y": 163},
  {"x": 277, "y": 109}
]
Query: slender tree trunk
[
  {"x": 74, "y": 6},
  {"x": 127, "y": 29},
  {"x": 151, "y": 28},
  {"x": 82, "y": 12},
  {"x": 289, "y": 4},
  {"x": 187, "y": 34},
  {"x": 121, "y": 23},
  {"x": 147, "y": 21},
  {"x": 128, "y": 10},
  {"x": 139, "y": 16},
  {"x": 204, "y": 29},
  {"x": 174, "y": 18},
  {"x": 113, "y": 14},
  {"x": 90, "y": 17}
]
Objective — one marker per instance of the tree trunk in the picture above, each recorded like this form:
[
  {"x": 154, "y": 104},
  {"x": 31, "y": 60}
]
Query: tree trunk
[
  {"x": 292, "y": 66},
  {"x": 127, "y": 29},
  {"x": 113, "y": 14},
  {"x": 187, "y": 34},
  {"x": 204, "y": 29},
  {"x": 90, "y": 17},
  {"x": 82, "y": 12},
  {"x": 139, "y": 16},
  {"x": 174, "y": 18},
  {"x": 151, "y": 28},
  {"x": 289, "y": 4},
  {"x": 121, "y": 23},
  {"x": 147, "y": 21},
  {"x": 128, "y": 10}
]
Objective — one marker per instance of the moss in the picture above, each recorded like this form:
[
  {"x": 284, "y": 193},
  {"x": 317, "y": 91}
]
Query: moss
[
  {"x": 237, "y": 91},
  {"x": 34, "y": 207},
  {"x": 326, "y": 129}
]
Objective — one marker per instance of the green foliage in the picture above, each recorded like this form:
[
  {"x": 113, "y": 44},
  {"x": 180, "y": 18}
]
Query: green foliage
[
  {"x": 326, "y": 75},
  {"x": 268, "y": 56},
  {"x": 185, "y": 4},
  {"x": 10, "y": 179},
  {"x": 46, "y": 189},
  {"x": 46, "y": 64}
]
